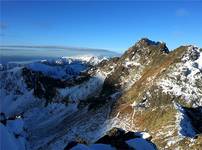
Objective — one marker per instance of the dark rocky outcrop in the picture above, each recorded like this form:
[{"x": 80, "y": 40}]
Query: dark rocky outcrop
[
  {"x": 117, "y": 138},
  {"x": 71, "y": 144},
  {"x": 195, "y": 116},
  {"x": 45, "y": 86}
]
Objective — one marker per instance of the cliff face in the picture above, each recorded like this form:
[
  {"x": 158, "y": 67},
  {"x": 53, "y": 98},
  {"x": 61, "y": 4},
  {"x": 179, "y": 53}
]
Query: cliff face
[{"x": 148, "y": 89}]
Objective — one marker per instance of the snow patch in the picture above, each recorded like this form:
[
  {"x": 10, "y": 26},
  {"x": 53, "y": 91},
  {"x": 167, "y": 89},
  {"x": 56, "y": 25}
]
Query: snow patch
[
  {"x": 183, "y": 123},
  {"x": 131, "y": 63},
  {"x": 93, "y": 147},
  {"x": 140, "y": 144},
  {"x": 16, "y": 126},
  {"x": 8, "y": 141},
  {"x": 82, "y": 91},
  {"x": 144, "y": 135}
]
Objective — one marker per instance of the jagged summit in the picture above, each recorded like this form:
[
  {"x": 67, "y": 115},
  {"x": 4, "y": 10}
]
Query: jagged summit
[
  {"x": 145, "y": 42},
  {"x": 146, "y": 47},
  {"x": 148, "y": 41}
]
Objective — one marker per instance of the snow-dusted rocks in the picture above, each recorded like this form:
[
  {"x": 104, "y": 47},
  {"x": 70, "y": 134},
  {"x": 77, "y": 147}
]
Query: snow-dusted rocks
[
  {"x": 60, "y": 68},
  {"x": 137, "y": 144},
  {"x": 89, "y": 59},
  {"x": 14, "y": 93},
  {"x": 185, "y": 78},
  {"x": 118, "y": 139}
]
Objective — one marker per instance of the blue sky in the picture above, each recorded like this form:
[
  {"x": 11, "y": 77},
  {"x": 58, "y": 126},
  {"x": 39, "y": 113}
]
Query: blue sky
[{"x": 111, "y": 25}]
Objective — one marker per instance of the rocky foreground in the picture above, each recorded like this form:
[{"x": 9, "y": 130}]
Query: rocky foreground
[{"x": 149, "y": 98}]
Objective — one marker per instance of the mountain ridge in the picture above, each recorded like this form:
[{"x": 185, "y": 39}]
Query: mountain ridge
[{"x": 148, "y": 89}]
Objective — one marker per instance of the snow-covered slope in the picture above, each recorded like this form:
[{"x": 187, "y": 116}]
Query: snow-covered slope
[{"x": 18, "y": 99}]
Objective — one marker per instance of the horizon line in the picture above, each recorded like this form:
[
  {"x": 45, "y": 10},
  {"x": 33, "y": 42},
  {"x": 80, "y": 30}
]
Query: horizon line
[{"x": 56, "y": 46}]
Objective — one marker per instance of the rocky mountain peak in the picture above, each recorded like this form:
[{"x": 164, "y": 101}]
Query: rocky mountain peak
[
  {"x": 145, "y": 42},
  {"x": 146, "y": 48}
]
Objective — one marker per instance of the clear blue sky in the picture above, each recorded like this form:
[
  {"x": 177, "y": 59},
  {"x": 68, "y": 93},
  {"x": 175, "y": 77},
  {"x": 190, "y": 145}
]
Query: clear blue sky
[{"x": 111, "y": 25}]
